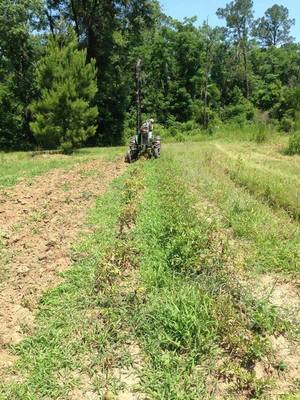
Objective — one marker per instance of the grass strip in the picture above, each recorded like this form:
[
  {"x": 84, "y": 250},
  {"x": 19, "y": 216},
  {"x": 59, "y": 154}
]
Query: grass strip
[
  {"x": 278, "y": 190},
  {"x": 197, "y": 327},
  {"x": 199, "y": 334},
  {"x": 273, "y": 238}
]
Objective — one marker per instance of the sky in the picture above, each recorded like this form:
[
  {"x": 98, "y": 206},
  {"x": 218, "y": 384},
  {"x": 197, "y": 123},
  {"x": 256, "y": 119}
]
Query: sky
[{"x": 206, "y": 9}]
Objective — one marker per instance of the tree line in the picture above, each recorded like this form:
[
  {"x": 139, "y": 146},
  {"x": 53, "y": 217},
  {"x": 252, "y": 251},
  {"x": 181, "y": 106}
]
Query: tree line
[{"x": 67, "y": 70}]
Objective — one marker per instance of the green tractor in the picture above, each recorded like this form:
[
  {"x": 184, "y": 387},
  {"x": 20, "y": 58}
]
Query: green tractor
[{"x": 143, "y": 143}]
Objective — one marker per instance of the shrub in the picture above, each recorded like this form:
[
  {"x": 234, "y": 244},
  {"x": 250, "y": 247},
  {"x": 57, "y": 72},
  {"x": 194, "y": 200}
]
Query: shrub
[
  {"x": 239, "y": 113},
  {"x": 179, "y": 137},
  {"x": 294, "y": 144},
  {"x": 63, "y": 115},
  {"x": 286, "y": 124},
  {"x": 205, "y": 117},
  {"x": 260, "y": 135}
]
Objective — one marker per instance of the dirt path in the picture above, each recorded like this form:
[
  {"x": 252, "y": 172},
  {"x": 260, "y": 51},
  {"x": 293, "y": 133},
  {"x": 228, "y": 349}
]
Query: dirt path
[
  {"x": 285, "y": 296},
  {"x": 39, "y": 223}
]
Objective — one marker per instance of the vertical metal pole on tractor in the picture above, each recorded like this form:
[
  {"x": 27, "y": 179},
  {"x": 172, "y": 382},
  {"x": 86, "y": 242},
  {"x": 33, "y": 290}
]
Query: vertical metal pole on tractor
[
  {"x": 138, "y": 97},
  {"x": 143, "y": 143}
]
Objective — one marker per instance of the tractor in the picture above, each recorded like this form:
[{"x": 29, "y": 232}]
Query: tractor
[{"x": 143, "y": 143}]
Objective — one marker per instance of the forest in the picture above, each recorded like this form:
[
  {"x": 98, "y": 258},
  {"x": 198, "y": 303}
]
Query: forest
[{"x": 67, "y": 71}]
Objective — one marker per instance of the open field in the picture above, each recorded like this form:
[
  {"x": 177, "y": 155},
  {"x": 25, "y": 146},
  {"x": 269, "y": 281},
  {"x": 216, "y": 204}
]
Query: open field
[
  {"x": 177, "y": 278},
  {"x": 19, "y": 165}
]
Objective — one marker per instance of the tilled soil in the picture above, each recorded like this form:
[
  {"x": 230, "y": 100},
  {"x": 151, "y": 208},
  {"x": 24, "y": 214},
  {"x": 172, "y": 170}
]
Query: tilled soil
[{"x": 39, "y": 223}]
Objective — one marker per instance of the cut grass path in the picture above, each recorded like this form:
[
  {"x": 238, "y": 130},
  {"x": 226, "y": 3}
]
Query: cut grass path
[
  {"x": 277, "y": 185},
  {"x": 272, "y": 237}
]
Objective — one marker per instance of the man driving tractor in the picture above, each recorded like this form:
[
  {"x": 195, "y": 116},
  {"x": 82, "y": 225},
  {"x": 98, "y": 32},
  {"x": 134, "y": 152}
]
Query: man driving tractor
[
  {"x": 144, "y": 143},
  {"x": 147, "y": 128}
]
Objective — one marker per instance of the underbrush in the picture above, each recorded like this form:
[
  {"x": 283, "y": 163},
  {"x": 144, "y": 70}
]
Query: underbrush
[
  {"x": 181, "y": 132},
  {"x": 249, "y": 132},
  {"x": 190, "y": 131}
]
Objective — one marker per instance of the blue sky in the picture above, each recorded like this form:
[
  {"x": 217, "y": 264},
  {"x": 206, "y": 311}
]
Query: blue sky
[{"x": 204, "y": 9}]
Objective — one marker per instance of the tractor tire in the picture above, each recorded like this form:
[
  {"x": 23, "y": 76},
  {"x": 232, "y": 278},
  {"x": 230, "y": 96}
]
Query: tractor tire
[
  {"x": 128, "y": 158},
  {"x": 156, "y": 152}
]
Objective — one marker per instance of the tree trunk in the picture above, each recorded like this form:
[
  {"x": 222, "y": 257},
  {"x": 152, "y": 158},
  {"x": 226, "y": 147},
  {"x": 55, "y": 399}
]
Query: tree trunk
[
  {"x": 74, "y": 12},
  {"x": 245, "y": 61},
  {"x": 50, "y": 21}
]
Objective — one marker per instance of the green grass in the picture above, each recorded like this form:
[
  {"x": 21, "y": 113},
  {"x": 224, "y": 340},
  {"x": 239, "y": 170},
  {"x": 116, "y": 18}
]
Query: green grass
[
  {"x": 277, "y": 185},
  {"x": 19, "y": 165},
  {"x": 171, "y": 304},
  {"x": 162, "y": 271},
  {"x": 272, "y": 237},
  {"x": 268, "y": 155},
  {"x": 183, "y": 322}
]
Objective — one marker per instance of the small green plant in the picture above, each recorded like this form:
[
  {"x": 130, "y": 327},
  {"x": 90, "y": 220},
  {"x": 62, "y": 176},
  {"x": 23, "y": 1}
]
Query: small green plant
[{"x": 281, "y": 366}]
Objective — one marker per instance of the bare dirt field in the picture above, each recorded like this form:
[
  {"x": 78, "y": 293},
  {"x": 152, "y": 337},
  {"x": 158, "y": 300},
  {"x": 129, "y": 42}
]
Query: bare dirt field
[{"x": 39, "y": 222}]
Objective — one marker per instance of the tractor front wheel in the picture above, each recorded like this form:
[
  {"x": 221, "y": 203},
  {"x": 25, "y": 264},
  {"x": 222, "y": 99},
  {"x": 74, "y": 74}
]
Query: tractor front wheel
[
  {"x": 128, "y": 157},
  {"x": 156, "y": 152}
]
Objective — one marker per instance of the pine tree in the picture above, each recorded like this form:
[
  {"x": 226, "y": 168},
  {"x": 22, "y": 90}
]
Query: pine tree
[
  {"x": 274, "y": 28},
  {"x": 64, "y": 116}
]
